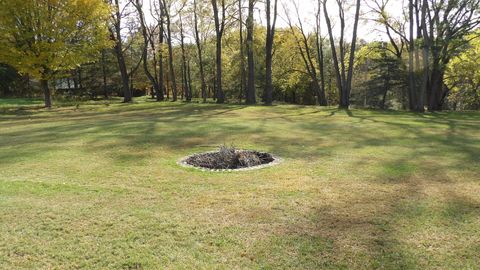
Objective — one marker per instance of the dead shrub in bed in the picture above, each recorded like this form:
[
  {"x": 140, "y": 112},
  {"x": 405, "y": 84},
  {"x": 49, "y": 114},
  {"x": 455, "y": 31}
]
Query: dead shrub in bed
[{"x": 229, "y": 158}]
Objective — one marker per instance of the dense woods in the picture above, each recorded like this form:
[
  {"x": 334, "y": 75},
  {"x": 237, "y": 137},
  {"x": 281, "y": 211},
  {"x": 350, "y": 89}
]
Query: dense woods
[{"x": 245, "y": 51}]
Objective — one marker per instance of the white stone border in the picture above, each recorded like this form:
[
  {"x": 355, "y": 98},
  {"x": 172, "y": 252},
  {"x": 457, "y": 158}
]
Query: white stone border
[{"x": 183, "y": 163}]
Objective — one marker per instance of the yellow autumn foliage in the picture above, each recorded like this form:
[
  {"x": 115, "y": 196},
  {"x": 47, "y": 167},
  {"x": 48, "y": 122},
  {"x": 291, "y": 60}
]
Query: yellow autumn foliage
[{"x": 44, "y": 38}]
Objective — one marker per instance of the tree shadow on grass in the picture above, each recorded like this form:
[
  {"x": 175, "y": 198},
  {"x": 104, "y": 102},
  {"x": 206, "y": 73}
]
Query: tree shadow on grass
[
  {"x": 184, "y": 126},
  {"x": 368, "y": 224},
  {"x": 385, "y": 225},
  {"x": 450, "y": 135},
  {"x": 173, "y": 127},
  {"x": 366, "y": 231}
]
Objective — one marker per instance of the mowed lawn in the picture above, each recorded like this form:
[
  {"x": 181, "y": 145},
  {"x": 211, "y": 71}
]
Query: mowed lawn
[{"x": 98, "y": 187}]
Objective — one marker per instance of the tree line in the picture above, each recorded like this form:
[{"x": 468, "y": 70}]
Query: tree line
[{"x": 233, "y": 50}]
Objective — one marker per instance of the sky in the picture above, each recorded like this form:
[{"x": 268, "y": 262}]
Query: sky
[{"x": 367, "y": 29}]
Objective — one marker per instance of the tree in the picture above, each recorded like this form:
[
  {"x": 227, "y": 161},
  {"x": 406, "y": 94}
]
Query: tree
[
  {"x": 271, "y": 23},
  {"x": 104, "y": 75},
  {"x": 243, "y": 74},
  {"x": 116, "y": 36},
  {"x": 446, "y": 24},
  {"x": 320, "y": 51},
  {"x": 395, "y": 30},
  {"x": 147, "y": 42},
  {"x": 304, "y": 47},
  {"x": 343, "y": 73},
  {"x": 386, "y": 77},
  {"x": 199, "y": 50},
  {"x": 185, "y": 74},
  {"x": 157, "y": 14},
  {"x": 220, "y": 21},
  {"x": 251, "y": 95},
  {"x": 167, "y": 13},
  {"x": 462, "y": 77},
  {"x": 46, "y": 38},
  {"x": 412, "y": 95},
  {"x": 292, "y": 82}
]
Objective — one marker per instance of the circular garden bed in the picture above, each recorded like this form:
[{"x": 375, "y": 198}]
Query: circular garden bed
[{"x": 230, "y": 159}]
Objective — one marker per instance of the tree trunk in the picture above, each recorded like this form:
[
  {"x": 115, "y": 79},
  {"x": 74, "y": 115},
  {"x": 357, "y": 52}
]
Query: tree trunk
[
  {"x": 80, "y": 81},
  {"x": 167, "y": 89},
  {"x": 75, "y": 82},
  {"x": 321, "y": 58},
  {"x": 219, "y": 93},
  {"x": 116, "y": 36},
  {"x": 170, "y": 52},
  {"x": 186, "y": 87},
  {"x": 336, "y": 67},
  {"x": 219, "y": 28},
  {"x": 146, "y": 39},
  {"x": 386, "y": 88},
  {"x": 199, "y": 51},
  {"x": 411, "y": 73},
  {"x": 161, "y": 81},
  {"x": 104, "y": 74},
  {"x": 352, "y": 57},
  {"x": 189, "y": 80},
  {"x": 418, "y": 62},
  {"x": 322, "y": 98},
  {"x": 426, "y": 59},
  {"x": 172, "y": 70},
  {"x": 243, "y": 75},
  {"x": 268, "y": 95},
  {"x": 127, "y": 94},
  {"x": 251, "y": 96},
  {"x": 435, "y": 102},
  {"x": 46, "y": 92}
]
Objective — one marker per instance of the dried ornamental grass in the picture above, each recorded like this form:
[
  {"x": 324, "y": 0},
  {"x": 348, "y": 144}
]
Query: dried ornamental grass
[{"x": 229, "y": 158}]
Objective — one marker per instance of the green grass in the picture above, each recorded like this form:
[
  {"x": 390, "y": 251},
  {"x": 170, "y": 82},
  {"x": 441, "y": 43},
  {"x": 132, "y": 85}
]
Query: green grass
[
  {"x": 98, "y": 187},
  {"x": 17, "y": 102}
]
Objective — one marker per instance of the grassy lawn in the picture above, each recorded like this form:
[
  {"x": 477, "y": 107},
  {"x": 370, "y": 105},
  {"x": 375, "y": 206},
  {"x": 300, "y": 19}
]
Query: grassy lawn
[
  {"x": 98, "y": 186},
  {"x": 8, "y": 103}
]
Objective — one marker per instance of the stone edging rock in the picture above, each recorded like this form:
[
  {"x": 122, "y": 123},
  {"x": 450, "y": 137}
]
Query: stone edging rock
[{"x": 183, "y": 163}]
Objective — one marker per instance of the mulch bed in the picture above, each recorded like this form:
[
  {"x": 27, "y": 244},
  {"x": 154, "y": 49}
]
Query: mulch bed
[{"x": 229, "y": 159}]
